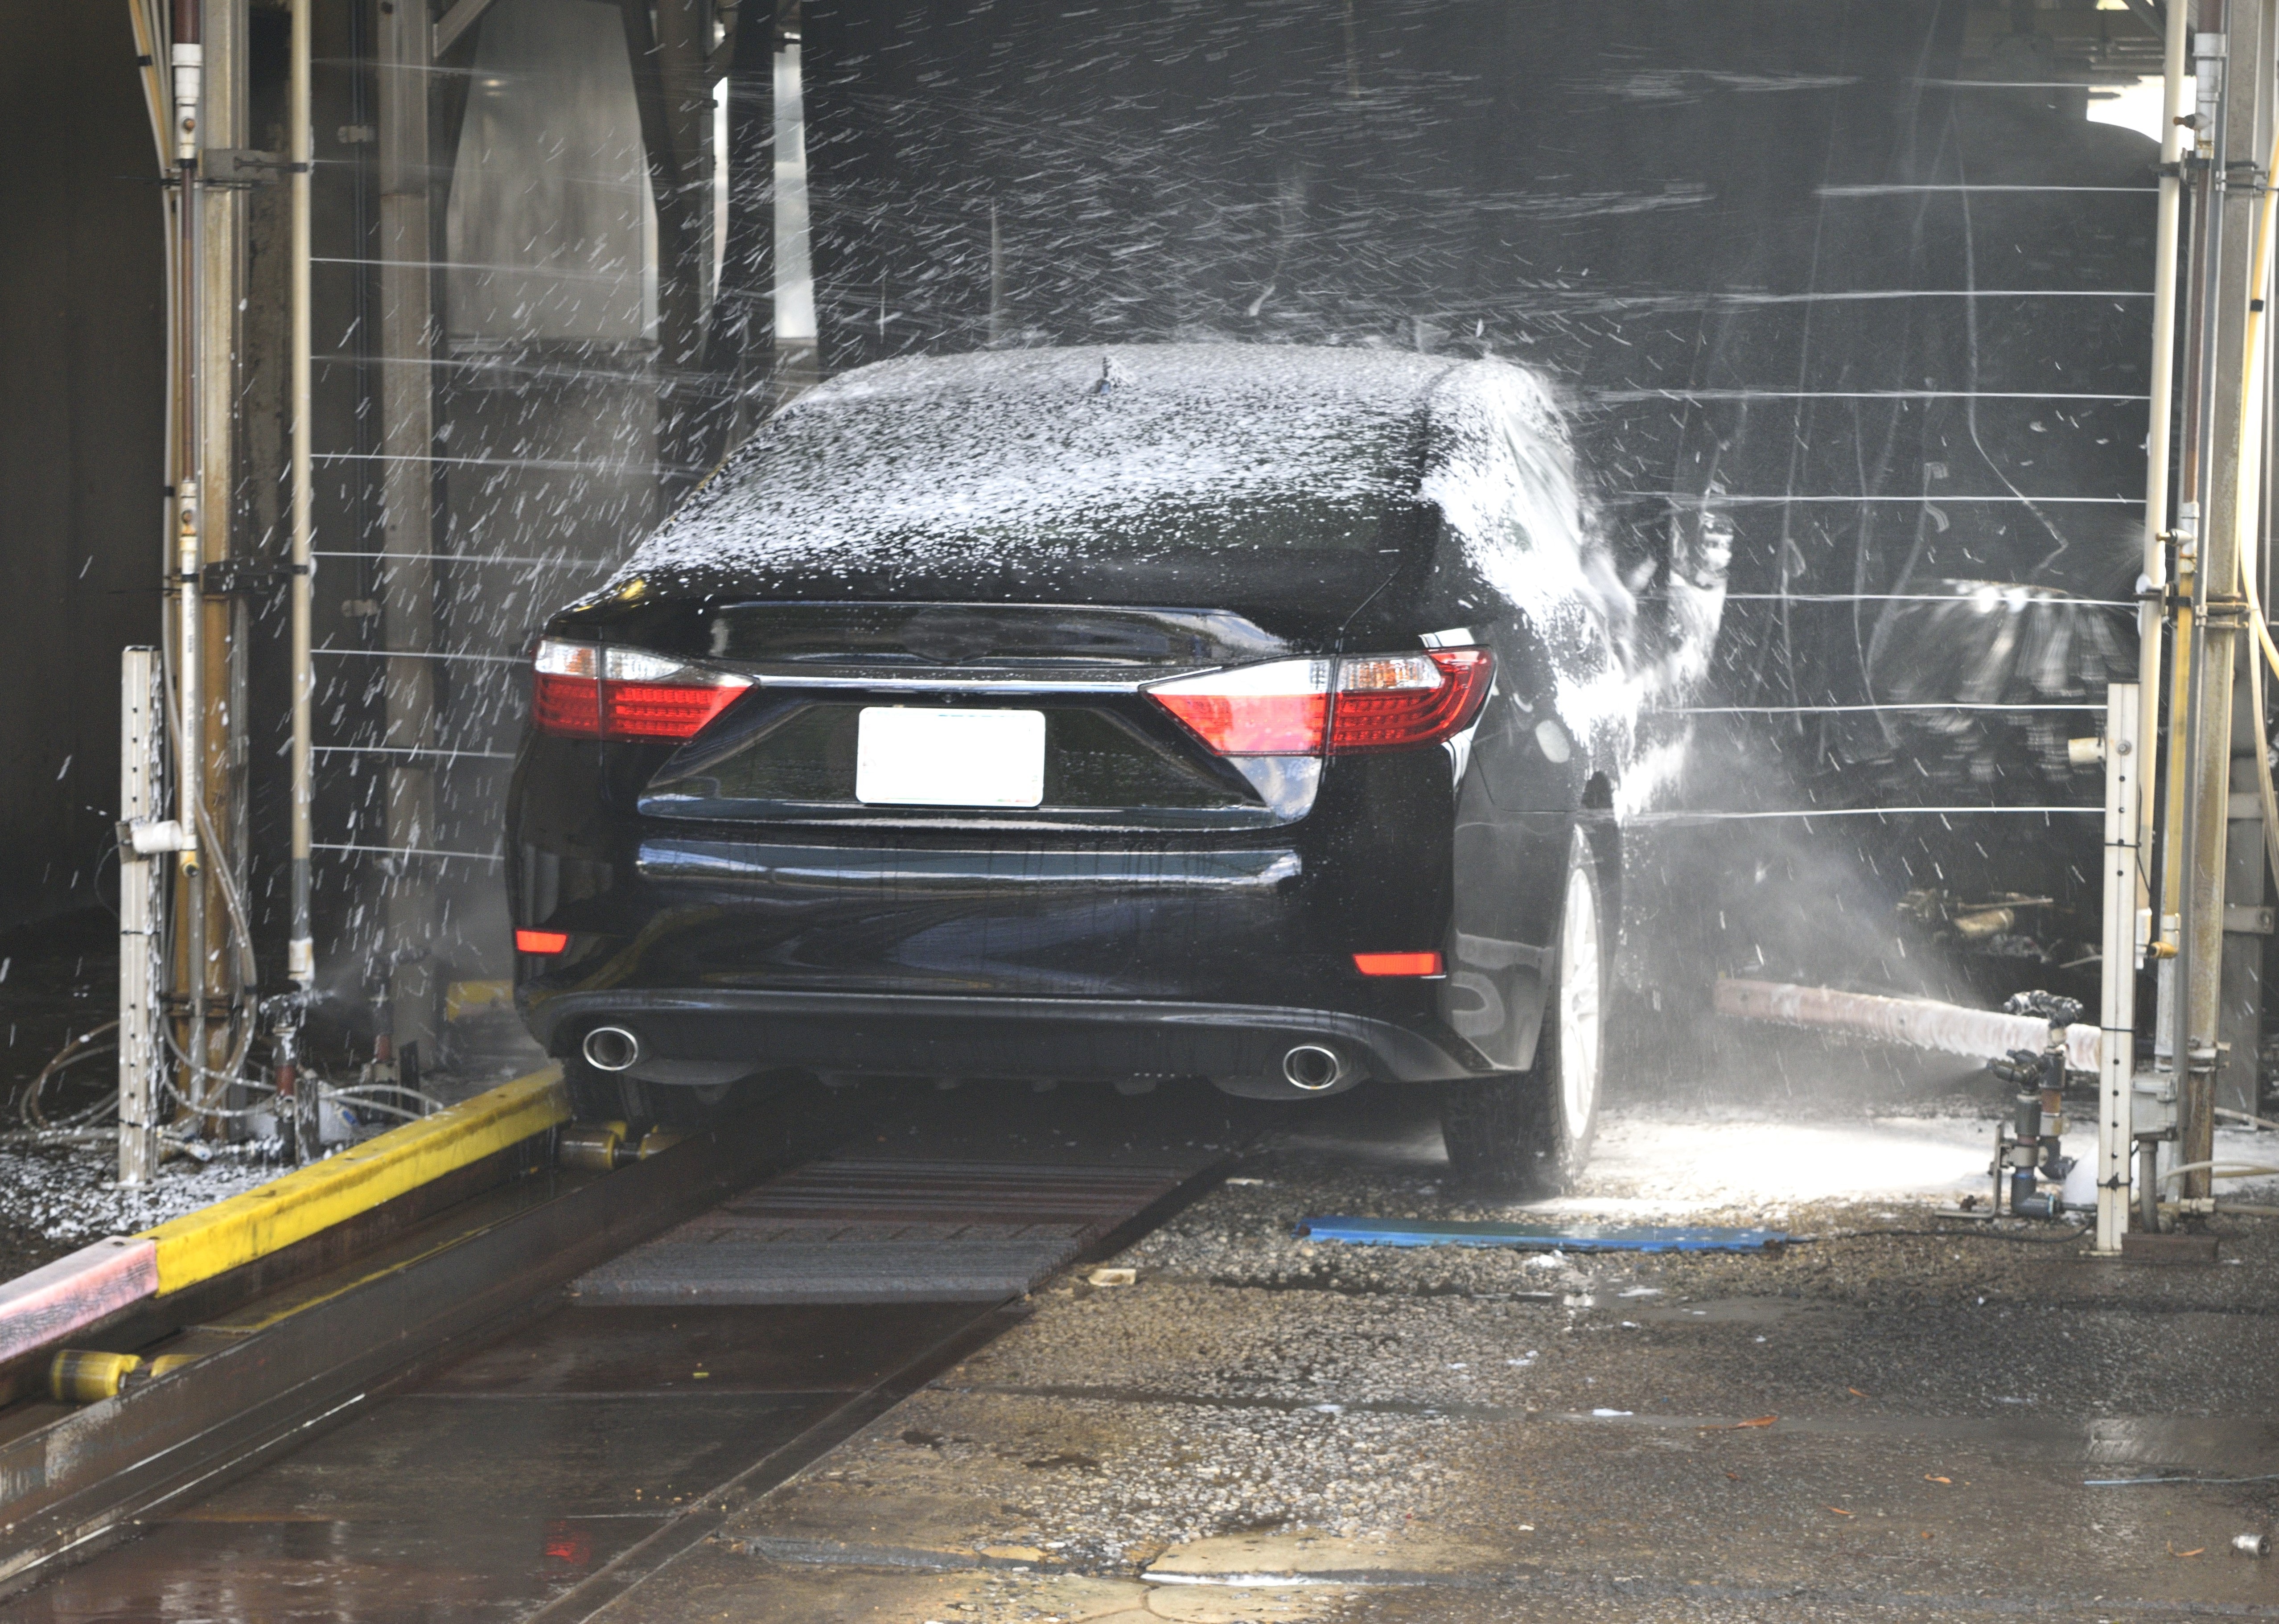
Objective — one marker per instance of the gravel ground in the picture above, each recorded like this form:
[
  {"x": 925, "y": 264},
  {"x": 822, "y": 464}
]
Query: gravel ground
[
  {"x": 58, "y": 1200},
  {"x": 1848, "y": 1427},
  {"x": 58, "y": 982}
]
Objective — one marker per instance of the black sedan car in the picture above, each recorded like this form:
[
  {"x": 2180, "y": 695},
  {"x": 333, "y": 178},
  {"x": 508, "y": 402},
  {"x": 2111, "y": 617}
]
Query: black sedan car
[{"x": 1253, "y": 713}]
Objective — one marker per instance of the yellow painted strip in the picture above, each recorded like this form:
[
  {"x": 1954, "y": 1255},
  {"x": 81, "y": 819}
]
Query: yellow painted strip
[
  {"x": 462, "y": 999},
  {"x": 201, "y": 1245}
]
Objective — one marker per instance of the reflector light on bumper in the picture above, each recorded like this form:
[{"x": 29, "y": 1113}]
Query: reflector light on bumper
[
  {"x": 1399, "y": 964},
  {"x": 1336, "y": 707},
  {"x": 541, "y": 941},
  {"x": 587, "y": 691}
]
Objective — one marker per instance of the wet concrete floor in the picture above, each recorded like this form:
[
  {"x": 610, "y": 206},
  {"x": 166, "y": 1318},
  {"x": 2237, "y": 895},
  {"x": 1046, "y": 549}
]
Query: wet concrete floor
[
  {"x": 1882, "y": 1426},
  {"x": 1867, "y": 1425}
]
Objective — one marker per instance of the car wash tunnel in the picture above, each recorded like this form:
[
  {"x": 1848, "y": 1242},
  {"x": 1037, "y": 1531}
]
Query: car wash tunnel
[{"x": 1315, "y": 810}]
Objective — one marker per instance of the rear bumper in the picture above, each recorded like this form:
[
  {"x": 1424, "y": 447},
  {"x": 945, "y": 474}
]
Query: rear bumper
[{"x": 1061, "y": 1039}]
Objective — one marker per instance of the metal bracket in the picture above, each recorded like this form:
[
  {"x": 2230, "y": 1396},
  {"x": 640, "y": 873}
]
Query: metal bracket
[
  {"x": 2240, "y": 919},
  {"x": 2152, "y": 1106},
  {"x": 245, "y": 578},
  {"x": 242, "y": 167},
  {"x": 150, "y": 837}
]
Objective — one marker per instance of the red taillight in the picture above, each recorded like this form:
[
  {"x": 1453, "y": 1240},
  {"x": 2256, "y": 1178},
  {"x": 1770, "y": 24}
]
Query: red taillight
[
  {"x": 1374, "y": 702},
  {"x": 1398, "y": 963},
  {"x": 583, "y": 691},
  {"x": 541, "y": 941},
  {"x": 566, "y": 705},
  {"x": 1390, "y": 702},
  {"x": 565, "y": 692},
  {"x": 663, "y": 710},
  {"x": 1272, "y": 709}
]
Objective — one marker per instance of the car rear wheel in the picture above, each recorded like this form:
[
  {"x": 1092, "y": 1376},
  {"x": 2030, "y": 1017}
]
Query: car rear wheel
[{"x": 1530, "y": 1132}]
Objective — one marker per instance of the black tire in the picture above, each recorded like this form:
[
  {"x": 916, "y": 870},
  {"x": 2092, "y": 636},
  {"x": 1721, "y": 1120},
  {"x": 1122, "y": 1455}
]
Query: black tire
[{"x": 1528, "y": 1133}]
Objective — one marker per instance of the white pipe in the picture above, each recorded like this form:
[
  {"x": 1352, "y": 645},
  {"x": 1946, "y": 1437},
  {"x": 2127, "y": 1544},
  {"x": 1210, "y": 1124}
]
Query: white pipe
[
  {"x": 2117, "y": 994},
  {"x": 2221, "y": 1170},
  {"x": 1917, "y": 1023},
  {"x": 301, "y": 958},
  {"x": 2241, "y": 1116}
]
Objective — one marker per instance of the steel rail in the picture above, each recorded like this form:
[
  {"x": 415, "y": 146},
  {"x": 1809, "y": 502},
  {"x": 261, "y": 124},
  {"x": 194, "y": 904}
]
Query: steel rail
[
  {"x": 311, "y": 1338},
  {"x": 279, "y": 1362},
  {"x": 707, "y": 1513}
]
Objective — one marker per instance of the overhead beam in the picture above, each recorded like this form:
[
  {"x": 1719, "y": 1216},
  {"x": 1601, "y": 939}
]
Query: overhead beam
[
  {"x": 2152, "y": 13},
  {"x": 454, "y": 24}
]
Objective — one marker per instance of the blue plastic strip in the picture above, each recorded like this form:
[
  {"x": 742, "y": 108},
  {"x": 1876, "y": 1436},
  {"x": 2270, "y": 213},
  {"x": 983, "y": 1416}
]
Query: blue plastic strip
[{"x": 1538, "y": 1237}]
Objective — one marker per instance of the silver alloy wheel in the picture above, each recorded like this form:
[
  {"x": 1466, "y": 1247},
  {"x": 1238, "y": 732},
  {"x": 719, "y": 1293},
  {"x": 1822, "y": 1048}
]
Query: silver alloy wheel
[{"x": 1581, "y": 971}]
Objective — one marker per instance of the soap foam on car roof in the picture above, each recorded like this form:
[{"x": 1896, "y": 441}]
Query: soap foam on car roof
[{"x": 908, "y": 459}]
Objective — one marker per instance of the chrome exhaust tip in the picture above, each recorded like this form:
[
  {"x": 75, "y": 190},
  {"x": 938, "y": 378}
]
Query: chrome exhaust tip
[
  {"x": 610, "y": 1048},
  {"x": 1313, "y": 1067}
]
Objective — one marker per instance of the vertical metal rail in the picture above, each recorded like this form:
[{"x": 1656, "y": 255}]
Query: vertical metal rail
[
  {"x": 2117, "y": 1006},
  {"x": 797, "y": 361},
  {"x": 300, "y": 952},
  {"x": 189, "y": 62},
  {"x": 407, "y": 569},
  {"x": 141, "y": 726},
  {"x": 996, "y": 279}
]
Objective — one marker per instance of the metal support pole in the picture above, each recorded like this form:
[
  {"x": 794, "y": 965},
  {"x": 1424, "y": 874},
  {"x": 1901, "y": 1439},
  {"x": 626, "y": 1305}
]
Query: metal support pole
[
  {"x": 2117, "y": 1006},
  {"x": 2237, "y": 1080},
  {"x": 2189, "y": 1056},
  {"x": 217, "y": 726},
  {"x": 300, "y": 951},
  {"x": 2243, "y": 135},
  {"x": 407, "y": 571},
  {"x": 141, "y": 726}
]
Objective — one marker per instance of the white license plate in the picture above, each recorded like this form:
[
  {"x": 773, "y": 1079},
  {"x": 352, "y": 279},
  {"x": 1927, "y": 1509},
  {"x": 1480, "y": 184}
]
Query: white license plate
[{"x": 907, "y": 756}]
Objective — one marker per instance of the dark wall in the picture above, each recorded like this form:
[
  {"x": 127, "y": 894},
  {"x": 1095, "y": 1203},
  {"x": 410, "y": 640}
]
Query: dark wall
[
  {"x": 81, "y": 431},
  {"x": 1856, "y": 280}
]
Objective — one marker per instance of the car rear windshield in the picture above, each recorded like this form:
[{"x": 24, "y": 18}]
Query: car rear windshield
[{"x": 1174, "y": 530}]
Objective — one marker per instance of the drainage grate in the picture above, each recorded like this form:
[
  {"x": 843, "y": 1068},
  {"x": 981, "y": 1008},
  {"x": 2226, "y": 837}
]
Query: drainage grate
[{"x": 885, "y": 1230}]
